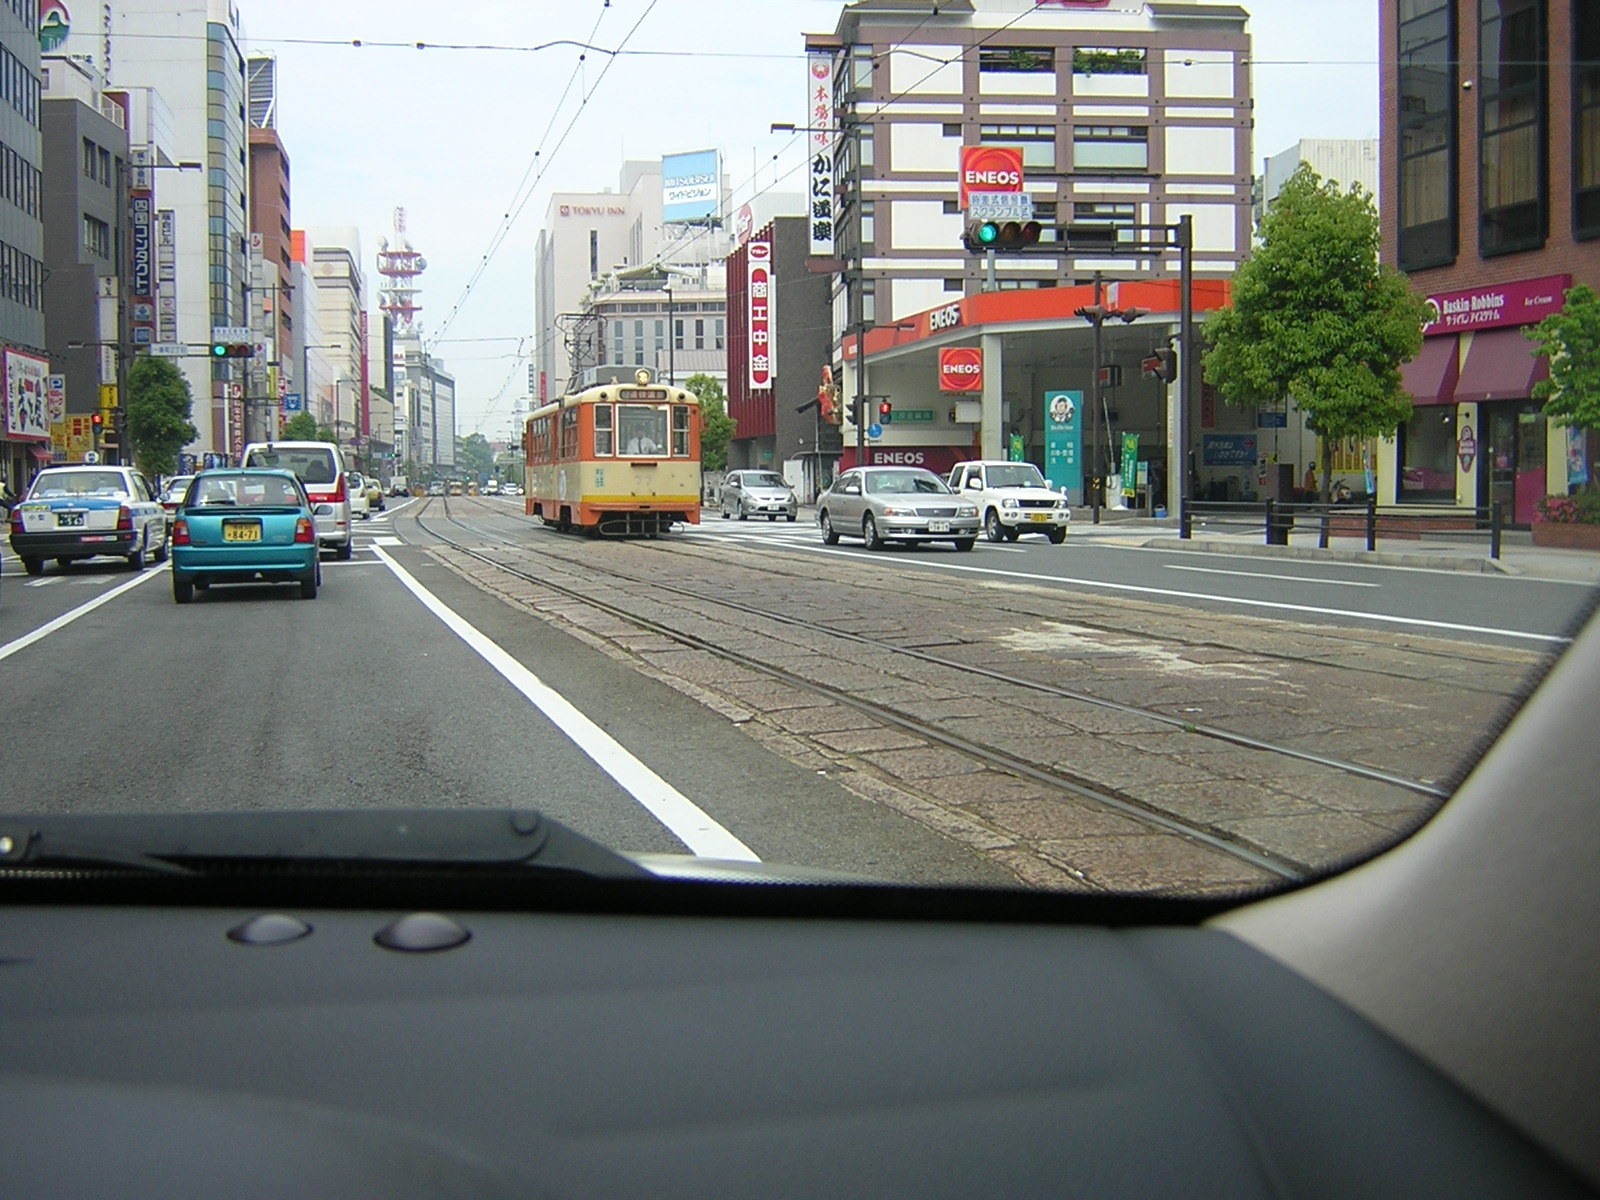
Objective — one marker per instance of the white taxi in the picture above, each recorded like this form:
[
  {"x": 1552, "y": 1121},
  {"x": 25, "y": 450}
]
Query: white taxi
[{"x": 81, "y": 511}]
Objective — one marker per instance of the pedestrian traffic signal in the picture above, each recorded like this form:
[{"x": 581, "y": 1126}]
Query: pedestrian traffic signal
[
  {"x": 885, "y": 412},
  {"x": 97, "y": 420},
  {"x": 232, "y": 350},
  {"x": 1002, "y": 236}
]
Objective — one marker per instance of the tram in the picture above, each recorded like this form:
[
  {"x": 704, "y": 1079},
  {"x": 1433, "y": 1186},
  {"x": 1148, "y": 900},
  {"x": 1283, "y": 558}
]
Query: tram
[{"x": 615, "y": 460}]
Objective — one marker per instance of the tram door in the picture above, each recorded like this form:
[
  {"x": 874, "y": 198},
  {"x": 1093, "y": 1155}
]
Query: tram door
[{"x": 1514, "y": 457}]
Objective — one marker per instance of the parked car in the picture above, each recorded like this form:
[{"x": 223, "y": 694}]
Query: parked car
[
  {"x": 895, "y": 504},
  {"x": 1013, "y": 498},
  {"x": 79, "y": 511},
  {"x": 172, "y": 496},
  {"x": 758, "y": 493},
  {"x": 238, "y": 525},
  {"x": 320, "y": 468}
]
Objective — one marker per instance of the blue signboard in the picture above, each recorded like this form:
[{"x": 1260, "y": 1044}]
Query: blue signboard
[
  {"x": 291, "y": 402},
  {"x": 1228, "y": 449},
  {"x": 1063, "y": 441},
  {"x": 691, "y": 186}
]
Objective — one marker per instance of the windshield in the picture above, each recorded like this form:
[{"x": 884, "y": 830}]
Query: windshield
[
  {"x": 1322, "y": 506},
  {"x": 1019, "y": 475},
  {"x": 886, "y": 483}
]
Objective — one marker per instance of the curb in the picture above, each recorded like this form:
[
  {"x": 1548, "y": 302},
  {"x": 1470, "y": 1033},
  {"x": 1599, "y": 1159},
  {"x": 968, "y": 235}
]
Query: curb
[{"x": 1475, "y": 566}]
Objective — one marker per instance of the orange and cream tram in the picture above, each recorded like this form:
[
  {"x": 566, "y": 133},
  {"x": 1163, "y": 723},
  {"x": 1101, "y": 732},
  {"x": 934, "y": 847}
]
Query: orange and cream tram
[{"x": 617, "y": 459}]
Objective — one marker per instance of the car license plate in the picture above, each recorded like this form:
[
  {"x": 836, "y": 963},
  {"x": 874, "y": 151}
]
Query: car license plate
[
  {"x": 1038, "y": 516},
  {"x": 69, "y": 518},
  {"x": 241, "y": 531},
  {"x": 938, "y": 526}
]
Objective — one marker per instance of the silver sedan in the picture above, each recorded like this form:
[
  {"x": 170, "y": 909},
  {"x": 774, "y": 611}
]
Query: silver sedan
[{"x": 895, "y": 504}]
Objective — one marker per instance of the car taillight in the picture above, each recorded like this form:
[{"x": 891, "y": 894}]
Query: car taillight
[
  {"x": 339, "y": 494},
  {"x": 303, "y": 531},
  {"x": 180, "y": 533},
  {"x": 124, "y": 519},
  {"x": 16, "y": 521}
]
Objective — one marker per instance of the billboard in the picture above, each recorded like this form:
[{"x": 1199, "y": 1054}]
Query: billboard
[
  {"x": 27, "y": 413},
  {"x": 691, "y": 186},
  {"x": 961, "y": 369},
  {"x": 759, "y": 283},
  {"x": 990, "y": 169}
]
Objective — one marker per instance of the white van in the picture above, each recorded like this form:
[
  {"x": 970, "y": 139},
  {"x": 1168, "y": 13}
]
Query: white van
[{"x": 320, "y": 467}]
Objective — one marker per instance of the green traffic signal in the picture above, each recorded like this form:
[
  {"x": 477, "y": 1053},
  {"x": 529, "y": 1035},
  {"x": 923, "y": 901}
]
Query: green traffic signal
[
  {"x": 988, "y": 232},
  {"x": 219, "y": 349},
  {"x": 232, "y": 350}
]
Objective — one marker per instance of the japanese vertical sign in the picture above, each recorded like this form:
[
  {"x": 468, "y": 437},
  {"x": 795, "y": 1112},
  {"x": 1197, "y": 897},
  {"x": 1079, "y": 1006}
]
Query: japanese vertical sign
[
  {"x": 142, "y": 276},
  {"x": 1063, "y": 440},
  {"x": 758, "y": 267},
  {"x": 1130, "y": 464},
  {"x": 166, "y": 276},
  {"x": 821, "y": 122}
]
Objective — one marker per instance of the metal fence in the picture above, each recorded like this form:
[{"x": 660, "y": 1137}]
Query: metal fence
[{"x": 1277, "y": 520}]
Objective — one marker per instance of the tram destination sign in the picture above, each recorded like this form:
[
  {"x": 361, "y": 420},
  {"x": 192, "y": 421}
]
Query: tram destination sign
[{"x": 641, "y": 393}]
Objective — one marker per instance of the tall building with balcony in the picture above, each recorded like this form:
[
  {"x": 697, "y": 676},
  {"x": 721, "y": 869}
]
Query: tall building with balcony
[
  {"x": 86, "y": 232},
  {"x": 24, "y": 427},
  {"x": 1490, "y": 202},
  {"x": 181, "y": 64},
  {"x": 1126, "y": 118}
]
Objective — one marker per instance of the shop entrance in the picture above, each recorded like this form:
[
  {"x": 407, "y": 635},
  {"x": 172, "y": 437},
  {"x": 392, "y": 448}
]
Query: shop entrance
[{"x": 1513, "y": 459}]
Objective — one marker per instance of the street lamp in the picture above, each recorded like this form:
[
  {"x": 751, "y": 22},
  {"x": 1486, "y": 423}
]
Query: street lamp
[{"x": 1097, "y": 314}]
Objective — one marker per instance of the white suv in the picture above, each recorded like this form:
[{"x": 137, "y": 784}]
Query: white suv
[
  {"x": 320, "y": 468},
  {"x": 1012, "y": 498}
]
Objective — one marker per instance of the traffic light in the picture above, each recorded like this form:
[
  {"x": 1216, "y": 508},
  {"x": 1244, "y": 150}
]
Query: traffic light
[
  {"x": 1002, "y": 236},
  {"x": 232, "y": 350},
  {"x": 98, "y": 420},
  {"x": 885, "y": 412}
]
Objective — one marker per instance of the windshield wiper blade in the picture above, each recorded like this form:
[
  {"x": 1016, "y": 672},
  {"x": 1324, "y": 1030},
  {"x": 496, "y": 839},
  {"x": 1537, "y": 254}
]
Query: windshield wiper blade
[
  {"x": 33, "y": 848},
  {"x": 406, "y": 838}
]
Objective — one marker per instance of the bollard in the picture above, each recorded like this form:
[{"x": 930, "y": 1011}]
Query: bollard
[{"x": 1372, "y": 523}]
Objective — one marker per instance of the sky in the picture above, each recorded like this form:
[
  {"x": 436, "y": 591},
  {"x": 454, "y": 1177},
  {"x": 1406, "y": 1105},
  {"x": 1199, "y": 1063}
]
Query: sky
[{"x": 471, "y": 134}]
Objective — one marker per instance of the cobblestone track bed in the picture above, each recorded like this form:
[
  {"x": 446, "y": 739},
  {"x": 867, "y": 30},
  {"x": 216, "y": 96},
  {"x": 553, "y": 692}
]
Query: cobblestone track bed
[{"x": 1295, "y": 810}]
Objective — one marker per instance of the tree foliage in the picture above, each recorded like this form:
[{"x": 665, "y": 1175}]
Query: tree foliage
[
  {"x": 302, "y": 427},
  {"x": 1315, "y": 316},
  {"x": 159, "y": 406},
  {"x": 716, "y": 426},
  {"x": 1570, "y": 339},
  {"x": 473, "y": 455}
]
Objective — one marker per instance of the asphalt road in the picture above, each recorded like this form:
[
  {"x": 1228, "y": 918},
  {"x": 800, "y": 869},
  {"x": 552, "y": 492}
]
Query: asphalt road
[{"x": 364, "y": 698}]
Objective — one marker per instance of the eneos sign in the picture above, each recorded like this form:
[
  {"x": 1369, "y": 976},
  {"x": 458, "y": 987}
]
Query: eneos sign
[
  {"x": 990, "y": 169},
  {"x": 961, "y": 369}
]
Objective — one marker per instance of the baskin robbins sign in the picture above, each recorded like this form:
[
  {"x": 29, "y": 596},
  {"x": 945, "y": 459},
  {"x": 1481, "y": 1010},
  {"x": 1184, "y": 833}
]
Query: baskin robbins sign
[{"x": 1525, "y": 302}]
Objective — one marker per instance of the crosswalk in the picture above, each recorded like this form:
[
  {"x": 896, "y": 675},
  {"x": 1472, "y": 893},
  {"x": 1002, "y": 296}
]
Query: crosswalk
[{"x": 802, "y": 532}]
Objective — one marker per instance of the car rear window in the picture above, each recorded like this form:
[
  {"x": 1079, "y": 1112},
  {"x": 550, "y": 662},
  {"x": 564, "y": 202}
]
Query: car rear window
[
  {"x": 245, "y": 491},
  {"x": 54, "y": 484},
  {"x": 313, "y": 464}
]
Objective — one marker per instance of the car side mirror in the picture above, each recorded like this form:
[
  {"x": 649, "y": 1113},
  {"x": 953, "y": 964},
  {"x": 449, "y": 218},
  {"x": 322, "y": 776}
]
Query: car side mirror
[{"x": 974, "y": 485}]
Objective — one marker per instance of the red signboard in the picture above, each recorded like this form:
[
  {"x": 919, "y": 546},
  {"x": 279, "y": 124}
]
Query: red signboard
[
  {"x": 759, "y": 277},
  {"x": 961, "y": 369},
  {"x": 1525, "y": 302},
  {"x": 990, "y": 169}
]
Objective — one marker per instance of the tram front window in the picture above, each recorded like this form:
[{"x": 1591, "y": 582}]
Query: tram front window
[{"x": 641, "y": 429}]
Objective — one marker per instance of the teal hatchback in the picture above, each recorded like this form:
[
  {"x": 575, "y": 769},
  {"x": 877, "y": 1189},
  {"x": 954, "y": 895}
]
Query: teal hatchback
[{"x": 243, "y": 525}]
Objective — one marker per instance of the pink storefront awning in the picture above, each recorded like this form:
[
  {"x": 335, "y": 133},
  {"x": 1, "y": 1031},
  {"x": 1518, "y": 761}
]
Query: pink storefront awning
[
  {"x": 1500, "y": 366},
  {"x": 1430, "y": 377}
]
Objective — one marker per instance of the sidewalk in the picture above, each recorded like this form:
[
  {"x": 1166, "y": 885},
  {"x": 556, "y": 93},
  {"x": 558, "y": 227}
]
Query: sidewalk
[{"x": 1431, "y": 551}]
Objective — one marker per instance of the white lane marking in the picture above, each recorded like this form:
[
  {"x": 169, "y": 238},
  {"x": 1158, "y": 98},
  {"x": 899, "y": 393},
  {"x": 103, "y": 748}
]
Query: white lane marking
[
  {"x": 387, "y": 541},
  {"x": 1264, "y": 575},
  {"x": 67, "y": 618},
  {"x": 46, "y": 582},
  {"x": 683, "y": 818},
  {"x": 1170, "y": 594}
]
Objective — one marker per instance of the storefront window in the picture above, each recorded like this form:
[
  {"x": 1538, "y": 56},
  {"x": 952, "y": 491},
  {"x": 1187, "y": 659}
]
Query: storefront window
[{"x": 1428, "y": 456}]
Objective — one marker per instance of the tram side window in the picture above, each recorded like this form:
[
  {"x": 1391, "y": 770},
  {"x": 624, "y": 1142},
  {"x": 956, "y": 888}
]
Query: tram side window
[
  {"x": 642, "y": 429},
  {"x": 604, "y": 435},
  {"x": 680, "y": 431},
  {"x": 539, "y": 440},
  {"x": 569, "y": 434}
]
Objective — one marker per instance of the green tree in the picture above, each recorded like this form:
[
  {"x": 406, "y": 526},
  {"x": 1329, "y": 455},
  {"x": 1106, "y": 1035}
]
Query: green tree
[
  {"x": 716, "y": 426},
  {"x": 159, "y": 406},
  {"x": 474, "y": 456},
  {"x": 1315, "y": 316},
  {"x": 302, "y": 427},
  {"x": 1570, "y": 339},
  {"x": 325, "y": 434}
]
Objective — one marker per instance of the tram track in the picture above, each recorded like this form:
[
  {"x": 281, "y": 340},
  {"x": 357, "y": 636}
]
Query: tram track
[{"x": 1260, "y": 856}]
